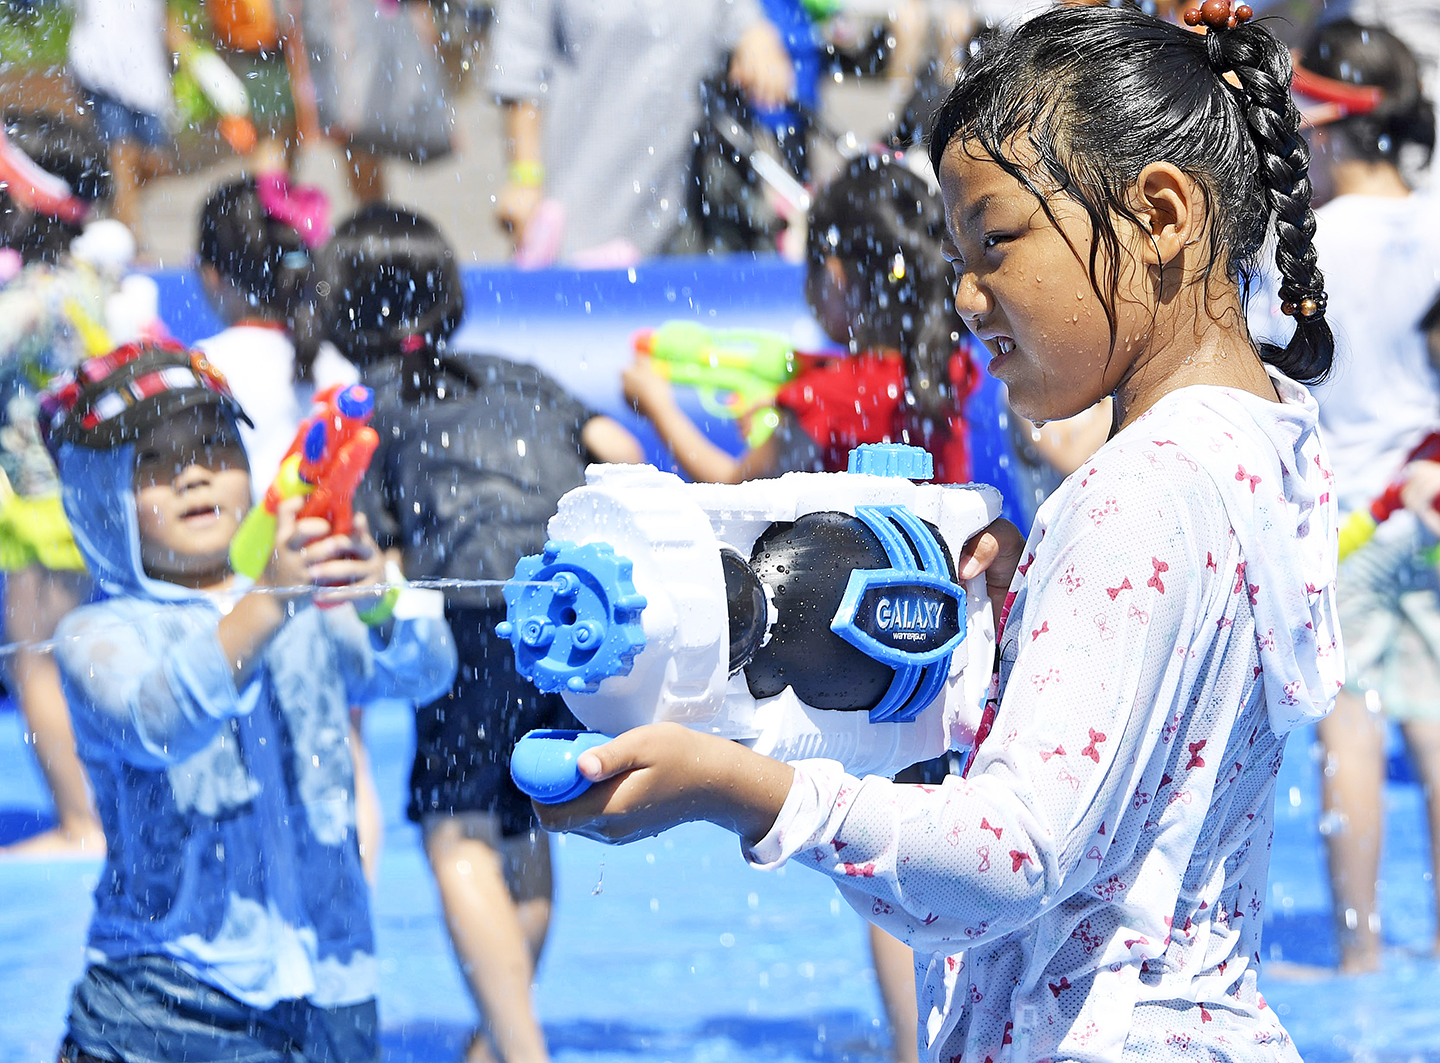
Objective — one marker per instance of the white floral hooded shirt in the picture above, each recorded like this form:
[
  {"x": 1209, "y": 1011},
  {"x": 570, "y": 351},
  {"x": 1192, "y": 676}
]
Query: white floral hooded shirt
[{"x": 1094, "y": 888}]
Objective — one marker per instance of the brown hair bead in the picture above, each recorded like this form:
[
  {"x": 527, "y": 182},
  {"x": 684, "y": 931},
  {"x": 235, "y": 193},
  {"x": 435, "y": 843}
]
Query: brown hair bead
[{"x": 1218, "y": 15}]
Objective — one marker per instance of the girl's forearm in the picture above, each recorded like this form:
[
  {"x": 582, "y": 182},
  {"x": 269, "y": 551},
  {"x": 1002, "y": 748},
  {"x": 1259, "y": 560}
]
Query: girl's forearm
[
  {"x": 701, "y": 459},
  {"x": 751, "y": 791},
  {"x": 522, "y": 131}
]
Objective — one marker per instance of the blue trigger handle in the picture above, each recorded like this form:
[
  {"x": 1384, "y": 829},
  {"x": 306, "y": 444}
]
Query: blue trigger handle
[{"x": 545, "y": 764}]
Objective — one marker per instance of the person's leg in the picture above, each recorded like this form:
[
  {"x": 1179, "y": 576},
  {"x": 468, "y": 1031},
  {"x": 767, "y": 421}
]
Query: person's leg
[
  {"x": 1423, "y": 739},
  {"x": 366, "y": 176},
  {"x": 369, "y": 819},
  {"x": 491, "y": 939},
  {"x": 1352, "y": 791},
  {"x": 125, "y": 180},
  {"x": 528, "y": 874},
  {"x": 895, "y": 971},
  {"x": 36, "y": 599}
]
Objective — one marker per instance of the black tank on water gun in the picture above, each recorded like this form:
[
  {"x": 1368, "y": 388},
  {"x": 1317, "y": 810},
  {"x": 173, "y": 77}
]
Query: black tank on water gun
[
  {"x": 813, "y": 615},
  {"x": 1363, "y": 523}
]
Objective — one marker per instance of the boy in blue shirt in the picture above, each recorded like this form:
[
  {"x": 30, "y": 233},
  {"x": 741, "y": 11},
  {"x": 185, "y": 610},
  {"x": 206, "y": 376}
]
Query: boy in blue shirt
[{"x": 232, "y": 918}]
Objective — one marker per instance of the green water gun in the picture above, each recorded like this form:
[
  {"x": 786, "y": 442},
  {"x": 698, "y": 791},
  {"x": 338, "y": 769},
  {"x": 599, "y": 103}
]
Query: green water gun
[{"x": 735, "y": 371}]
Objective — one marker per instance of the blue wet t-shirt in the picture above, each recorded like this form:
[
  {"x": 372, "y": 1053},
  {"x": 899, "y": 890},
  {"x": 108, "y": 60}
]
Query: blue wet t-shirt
[{"x": 229, "y": 813}]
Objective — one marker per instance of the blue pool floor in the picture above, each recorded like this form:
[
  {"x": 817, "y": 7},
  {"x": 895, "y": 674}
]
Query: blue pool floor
[{"x": 672, "y": 949}]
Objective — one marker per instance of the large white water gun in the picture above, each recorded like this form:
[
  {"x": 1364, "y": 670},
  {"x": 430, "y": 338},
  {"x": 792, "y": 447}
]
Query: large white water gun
[{"x": 812, "y": 615}]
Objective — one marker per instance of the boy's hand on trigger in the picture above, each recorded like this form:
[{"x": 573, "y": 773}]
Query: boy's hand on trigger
[
  {"x": 652, "y": 778},
  {"x": 1422, "y": 491},
  {"x": 353, "y": 565},
  {"x": 995, "y": 551}
]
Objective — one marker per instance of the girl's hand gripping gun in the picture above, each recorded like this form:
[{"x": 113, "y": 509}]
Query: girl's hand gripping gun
[
  {"x": 326, "y": 462},
  {"x": 748, "y": 365},
  {"x": 814, "y": 615},
  {"x": 1362, "y": 524}
]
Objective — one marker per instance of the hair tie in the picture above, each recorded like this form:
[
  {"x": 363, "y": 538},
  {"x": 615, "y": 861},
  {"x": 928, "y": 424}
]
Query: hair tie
[
  {"x": 1219, "y": 15},
  {"x": 1215, "y": 53},
  {"x": 304, "y": 208},
  {"x": 1311, "y": 306}
]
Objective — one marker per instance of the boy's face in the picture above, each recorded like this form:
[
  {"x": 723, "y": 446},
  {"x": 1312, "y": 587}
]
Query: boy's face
[{"x": 192, "y": 489}]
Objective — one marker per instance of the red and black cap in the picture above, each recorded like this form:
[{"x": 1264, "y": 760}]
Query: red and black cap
[
  {"x": 1322, "y": 100},
  {"x": 107, "y": 400}
]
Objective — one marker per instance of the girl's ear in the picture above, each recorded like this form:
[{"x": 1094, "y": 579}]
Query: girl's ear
[{"x": 1171, "y": 208}]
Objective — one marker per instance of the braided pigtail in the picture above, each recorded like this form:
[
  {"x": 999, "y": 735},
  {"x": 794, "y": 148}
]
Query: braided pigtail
[{"x": 1261, "y": 64}]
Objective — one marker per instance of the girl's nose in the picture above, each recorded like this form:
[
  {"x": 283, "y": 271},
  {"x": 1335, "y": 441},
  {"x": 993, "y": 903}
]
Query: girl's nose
[{"x": 971, "y": 300}]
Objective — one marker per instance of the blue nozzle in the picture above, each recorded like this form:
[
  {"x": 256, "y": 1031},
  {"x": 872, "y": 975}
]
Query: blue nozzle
[
  {"x": 573, "y": 617},
  {"x": 356, "y": 401},
  {"x": 892, "y": 459}
]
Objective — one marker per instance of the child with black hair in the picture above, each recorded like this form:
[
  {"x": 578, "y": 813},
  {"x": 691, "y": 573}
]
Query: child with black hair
[
  {"x": 54, "y": 173},
  {"x": 1380, "y": 248},
  {"x": 877, "y": 283},
  {"x": 475, "y": 452},
  {"x": 1094, "y": 888},
  {"x": 232, "y": 920},
  {"x": 257, "y": 239}
]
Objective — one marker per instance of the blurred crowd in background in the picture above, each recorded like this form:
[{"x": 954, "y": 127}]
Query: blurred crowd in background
[{"x": 232, "y": 136}]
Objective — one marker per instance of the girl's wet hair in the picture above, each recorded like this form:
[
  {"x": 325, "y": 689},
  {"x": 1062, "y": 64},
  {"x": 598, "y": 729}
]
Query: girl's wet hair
[
  {"x": 266, "y": 261},
  {"x": 1368, "y": 55},
  {"x": 393, "y": 288},
  {"x": 1099, "y": 93},
  {"x": 70, "y": 152},
  {"x": 886, "y": 226}
]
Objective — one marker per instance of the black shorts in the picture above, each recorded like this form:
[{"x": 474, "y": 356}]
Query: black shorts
[{"x": 463, "y": 740}]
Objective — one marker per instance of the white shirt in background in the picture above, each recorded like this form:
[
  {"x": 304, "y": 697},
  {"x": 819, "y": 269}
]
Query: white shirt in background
[
  {"x": 118, "y": 47},
  {"x": 1381, "y": 260},
  {"x": 259, "y": 363}
]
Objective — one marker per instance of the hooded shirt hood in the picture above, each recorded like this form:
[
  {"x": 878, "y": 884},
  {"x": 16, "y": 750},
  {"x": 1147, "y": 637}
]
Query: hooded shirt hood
[
  {"x": 1280, "y": 501},
  {"x": 99, "y": 496}
]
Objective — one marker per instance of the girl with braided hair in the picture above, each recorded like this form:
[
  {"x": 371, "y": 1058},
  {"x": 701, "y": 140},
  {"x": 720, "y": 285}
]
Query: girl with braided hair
[{"x": 1094, "y": 887}]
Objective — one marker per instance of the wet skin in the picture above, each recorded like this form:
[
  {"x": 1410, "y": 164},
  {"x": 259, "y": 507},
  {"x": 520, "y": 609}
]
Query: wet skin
[{"x": 1023, "y": 286}]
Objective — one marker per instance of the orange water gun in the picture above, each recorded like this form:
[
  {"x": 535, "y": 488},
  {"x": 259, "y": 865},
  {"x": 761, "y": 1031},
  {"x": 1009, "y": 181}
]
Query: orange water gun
[
  {"x": 325, "y": 464},
  {"x": 1361, "y": 525}
]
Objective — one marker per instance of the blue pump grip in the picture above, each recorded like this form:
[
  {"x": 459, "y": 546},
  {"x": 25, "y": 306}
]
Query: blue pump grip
[{"x": 545, "y": 764}]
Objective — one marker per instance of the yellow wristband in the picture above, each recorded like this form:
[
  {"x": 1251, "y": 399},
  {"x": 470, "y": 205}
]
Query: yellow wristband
[{"x": 527, "y": 173}]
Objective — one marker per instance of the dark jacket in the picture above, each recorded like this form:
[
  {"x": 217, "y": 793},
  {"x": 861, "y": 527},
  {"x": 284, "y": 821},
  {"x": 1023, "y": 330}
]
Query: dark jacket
[{"x": 471, "y": 466}]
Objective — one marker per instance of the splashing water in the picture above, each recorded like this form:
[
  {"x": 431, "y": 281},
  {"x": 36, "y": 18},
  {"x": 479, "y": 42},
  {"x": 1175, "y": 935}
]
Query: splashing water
[{"x": 9, "y": 649}]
